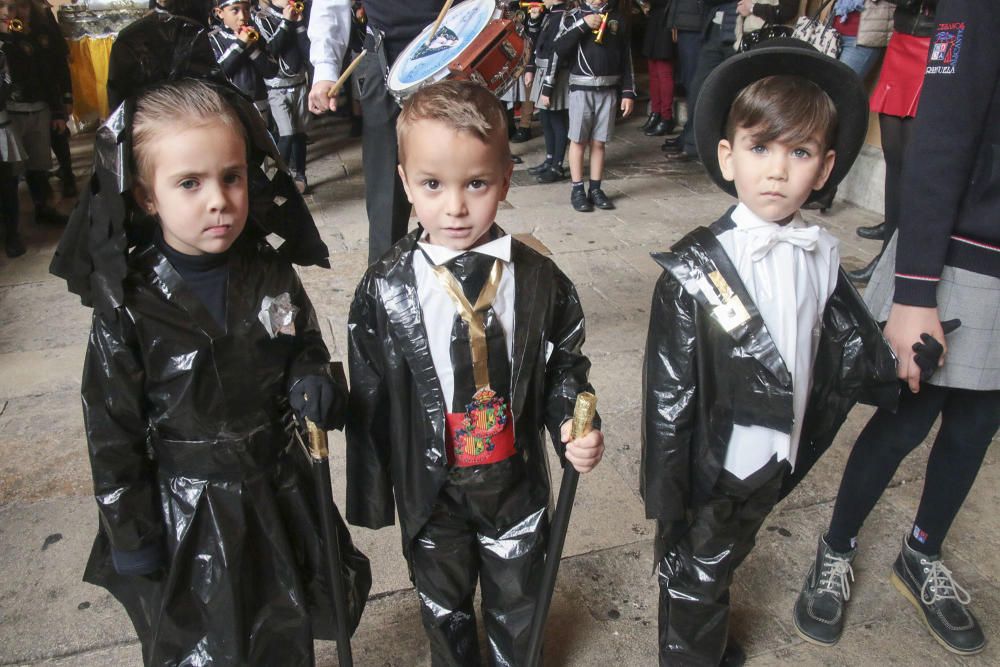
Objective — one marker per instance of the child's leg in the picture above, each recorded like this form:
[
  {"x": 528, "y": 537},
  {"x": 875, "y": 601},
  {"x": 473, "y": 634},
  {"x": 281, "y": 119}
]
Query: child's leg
[
  {"x": 576, "y": 161},
  {"x": 560, "y": 128},
  {"x": 10, "y": 211},
  {"x": 444, "y": 562},
  {"x": 695, "y": 573},
  {"x": 285, "y": 150},
  {"x": 596, "y": 162},
  {"x": 299, "y": 142}
]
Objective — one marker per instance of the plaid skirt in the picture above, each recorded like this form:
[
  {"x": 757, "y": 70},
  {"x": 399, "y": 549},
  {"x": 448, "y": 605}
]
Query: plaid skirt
[
  {"x": 560, "y": 92},
  {"x": 973, "y": 358}
]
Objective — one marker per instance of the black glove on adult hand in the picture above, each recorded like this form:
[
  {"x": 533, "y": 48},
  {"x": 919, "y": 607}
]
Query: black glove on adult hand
[
  {"x": 929, "y": 350},
  {"x": 320, "y": 400}
]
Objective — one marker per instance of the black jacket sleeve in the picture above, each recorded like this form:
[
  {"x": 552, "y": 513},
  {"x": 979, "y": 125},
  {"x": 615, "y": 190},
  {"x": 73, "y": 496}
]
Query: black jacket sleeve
[
  {"x": 115, "y": 420},
  {"x": 312, "y": 357},
  {"x": 669, "y": 402},
  {"x": 370, "y": 500},
  {"x": 944, "y": 146},
  {"x": 571, "y": 31},
  {"x": 567, "y": 367},
  {"x": 782, "y": 12}
]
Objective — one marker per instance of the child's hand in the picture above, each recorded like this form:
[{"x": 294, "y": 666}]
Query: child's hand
[
  {"x": 583, "y": 453},
  {"x": 543, "y": 101},
  {"x": 318, "y": 399},
  {"x": 627, "y": 105},
  {"x": 593, "y": 21},
  {"x": 528, "y": 78},
  {"x": 289, "y": 13},
  {"x": 244, "y": 35}
]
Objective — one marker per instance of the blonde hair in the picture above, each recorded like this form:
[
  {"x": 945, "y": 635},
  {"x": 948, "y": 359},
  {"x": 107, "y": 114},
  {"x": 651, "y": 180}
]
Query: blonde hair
[
  {"x": 186, "y": 102},
  {"x": 463, "y": 106}
]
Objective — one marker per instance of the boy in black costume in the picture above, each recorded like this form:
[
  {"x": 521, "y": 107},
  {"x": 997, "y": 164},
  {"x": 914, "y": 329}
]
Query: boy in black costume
[
  {"x": 461, "y": 337},
  {"x": 758, "y": 345},
  {"x": 203, "y": 344},
  {"x": 242, "y": 51}
]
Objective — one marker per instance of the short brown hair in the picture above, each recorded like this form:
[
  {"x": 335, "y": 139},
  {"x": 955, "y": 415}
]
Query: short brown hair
[
  {"x": 464, "y": 106},
  {"x": 185, "y": 102},
  {"x": 788, "y": 108}
]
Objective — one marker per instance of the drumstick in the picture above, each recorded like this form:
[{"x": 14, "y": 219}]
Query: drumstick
[
  {"x": 440, "y": 18},
  {"x": 347, "y": 72}
]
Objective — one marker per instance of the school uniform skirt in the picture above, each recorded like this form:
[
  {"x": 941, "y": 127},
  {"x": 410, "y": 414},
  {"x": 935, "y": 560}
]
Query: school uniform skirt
[
  {"x": 898, "y": 89},
  {"x": 973, "y": 358},
  {"x": 559, "y": 99}
]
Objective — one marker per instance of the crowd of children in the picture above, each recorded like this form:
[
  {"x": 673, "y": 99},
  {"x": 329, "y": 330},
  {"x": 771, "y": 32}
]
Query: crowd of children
[{"x": 465, "y": 346}]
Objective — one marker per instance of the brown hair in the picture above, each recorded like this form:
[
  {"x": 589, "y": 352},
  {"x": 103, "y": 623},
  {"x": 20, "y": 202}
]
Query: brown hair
[
  {"x": 463, "y": 106},
  {"x": 186, "y": 102},
  {"x": 788, "y": 108}
]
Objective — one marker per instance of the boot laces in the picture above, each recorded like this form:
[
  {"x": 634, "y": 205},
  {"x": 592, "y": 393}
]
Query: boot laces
[
  {"x": 836, "y": 576},
  {"x": 939, "y": 584}
]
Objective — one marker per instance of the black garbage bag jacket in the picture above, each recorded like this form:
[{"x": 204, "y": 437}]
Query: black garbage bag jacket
[
  {"x": 184, "y": 421},
  {"x": 699, "y": 380},
  {"x": 396, "y": 419}
]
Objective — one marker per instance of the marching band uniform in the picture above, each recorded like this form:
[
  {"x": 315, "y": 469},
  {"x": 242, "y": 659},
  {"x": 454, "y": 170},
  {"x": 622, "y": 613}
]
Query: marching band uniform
[
  {"x": 246, "y": 65},
  {"x": 460, "y": 445}
]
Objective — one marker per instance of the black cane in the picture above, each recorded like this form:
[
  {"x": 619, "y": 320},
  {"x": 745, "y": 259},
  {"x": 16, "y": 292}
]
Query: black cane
[
  {"x": 583, "y": 416},
  {"x": 319, "y": 455}
]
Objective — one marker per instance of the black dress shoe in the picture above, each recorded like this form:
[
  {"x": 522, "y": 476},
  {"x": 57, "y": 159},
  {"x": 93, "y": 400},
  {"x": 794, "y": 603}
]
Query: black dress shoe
[
  {"x": 651, "y": 120},
  {"x": 600, "y": 199},
  {"x": 539, "y": 168},
  {"x": 554, "y": 173},
  {"x": 673, "y": 144},
  {"x": 580, "y": 201},
  {"x": 516, "y": 159},
  {"x": 862, "y": 276},
  {"x": 822, "y": 204},
  {"x": 680, "y": 156},
  {"x": 874, "y": 232},
  {"x": 521, "y": 135},
  {"x": 662, "y": 128}
]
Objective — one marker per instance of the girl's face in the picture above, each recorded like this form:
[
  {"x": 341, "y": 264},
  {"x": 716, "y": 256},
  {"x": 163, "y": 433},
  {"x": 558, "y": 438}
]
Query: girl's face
[{"x": 198, "y": 185}]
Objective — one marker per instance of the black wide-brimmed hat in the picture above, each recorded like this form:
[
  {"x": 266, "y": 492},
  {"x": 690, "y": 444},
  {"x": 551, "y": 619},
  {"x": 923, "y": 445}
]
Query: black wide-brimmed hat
[{"x": 783, "y": 56}]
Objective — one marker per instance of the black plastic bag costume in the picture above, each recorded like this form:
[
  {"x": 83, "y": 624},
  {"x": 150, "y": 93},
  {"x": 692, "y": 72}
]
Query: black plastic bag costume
[
  {"x": 186, "y": 422},
  {"x": 460, "y": 523},
  {"x": 699, "y": 381}
]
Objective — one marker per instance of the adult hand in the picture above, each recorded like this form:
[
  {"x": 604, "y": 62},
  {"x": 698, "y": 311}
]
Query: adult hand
[
  {"x": 903, "y": 329},
  {"x": 583, "y": 453},
  {"x": 627, "y": 105},
  {"x": 593, "y": 21},
  {"x": 744, "y": 7},
  {"x": 319, "y": 99}
]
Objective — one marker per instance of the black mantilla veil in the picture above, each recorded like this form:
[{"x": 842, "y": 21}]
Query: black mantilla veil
[{"x": 106, "y": 223}]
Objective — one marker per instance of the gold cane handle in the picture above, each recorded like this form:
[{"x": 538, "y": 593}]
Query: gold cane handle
[
  {"x": 583, "y": 415},
  {"x": 319, "y": 449}
]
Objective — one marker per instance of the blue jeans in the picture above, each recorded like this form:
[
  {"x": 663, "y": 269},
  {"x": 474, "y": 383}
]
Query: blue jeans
[{"x": 858, "y": 58}]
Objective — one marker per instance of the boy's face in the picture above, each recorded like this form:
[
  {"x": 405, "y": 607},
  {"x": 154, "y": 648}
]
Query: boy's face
[
  {"x": 234, "y": 16},
  {"x": 198, "y": 186},
  {"x": 455, "y": 181},
  {"x": 774, "y": 179}
]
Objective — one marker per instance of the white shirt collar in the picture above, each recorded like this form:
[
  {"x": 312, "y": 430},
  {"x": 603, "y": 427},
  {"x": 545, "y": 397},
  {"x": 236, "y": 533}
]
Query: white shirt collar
[
  {"x": 745, "y": 219},
  {"x": 499, "y": 248}
]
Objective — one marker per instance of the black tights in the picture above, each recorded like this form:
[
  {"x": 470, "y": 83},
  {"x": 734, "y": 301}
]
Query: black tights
[
  {"x": 293, "y": 152},
  {"x": 555, "y": 128},
  {"x": 969, "y": 420},
  {"x": 895, "y": 137},
  {"x": 10, "y": 208}
]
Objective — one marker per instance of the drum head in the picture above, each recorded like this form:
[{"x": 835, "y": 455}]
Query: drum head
[{"x": 421, "y": 63}]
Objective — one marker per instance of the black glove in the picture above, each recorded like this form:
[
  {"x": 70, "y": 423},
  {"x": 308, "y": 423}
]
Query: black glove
[
  {"x": 929, "y": 350},
  {"x": 320, "y": 400}
]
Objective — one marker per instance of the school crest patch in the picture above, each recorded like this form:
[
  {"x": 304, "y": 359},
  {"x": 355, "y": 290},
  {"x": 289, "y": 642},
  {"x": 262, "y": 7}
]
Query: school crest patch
[{"x": 946, "y": 48}]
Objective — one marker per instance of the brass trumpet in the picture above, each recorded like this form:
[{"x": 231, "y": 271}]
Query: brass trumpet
[
  {"x": 600, "y": 31},
  {"x": 532, "y": 5},
  {"x": 252, "y": 33},
  {"x": 15, "y": 25},
  {"x": 299, "y": 7}
]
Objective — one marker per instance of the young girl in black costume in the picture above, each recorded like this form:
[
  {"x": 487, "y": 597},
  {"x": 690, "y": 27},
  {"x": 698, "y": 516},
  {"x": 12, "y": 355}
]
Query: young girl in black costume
[{"x": 203, "y": 345}]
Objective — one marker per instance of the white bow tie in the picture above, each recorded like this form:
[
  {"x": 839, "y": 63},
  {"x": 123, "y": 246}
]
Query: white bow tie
[{"x": 764, "y": 239}]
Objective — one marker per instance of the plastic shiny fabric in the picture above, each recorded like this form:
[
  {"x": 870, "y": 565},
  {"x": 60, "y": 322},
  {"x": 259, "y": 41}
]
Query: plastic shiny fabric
[
  {"x": 699, "y": 380},
  {"x": 396, "y": 445},
  {"x": 233, "y": 517}
]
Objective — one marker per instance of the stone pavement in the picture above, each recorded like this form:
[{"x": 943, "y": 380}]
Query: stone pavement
[{"x": 604, "y": 610}]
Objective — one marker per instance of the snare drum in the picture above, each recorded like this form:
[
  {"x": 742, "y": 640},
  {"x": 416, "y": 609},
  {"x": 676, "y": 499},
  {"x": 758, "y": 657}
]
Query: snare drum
[{"x": 474, "y": 42}]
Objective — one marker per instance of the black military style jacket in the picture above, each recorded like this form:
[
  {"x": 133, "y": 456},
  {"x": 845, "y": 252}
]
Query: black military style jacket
[
  {"x": 396, "y": 421},
  {"x": 700, "y": 379}
]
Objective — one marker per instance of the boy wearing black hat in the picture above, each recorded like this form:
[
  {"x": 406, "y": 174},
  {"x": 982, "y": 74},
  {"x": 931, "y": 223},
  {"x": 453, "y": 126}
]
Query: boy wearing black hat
[{"x": 747, "y": 376}]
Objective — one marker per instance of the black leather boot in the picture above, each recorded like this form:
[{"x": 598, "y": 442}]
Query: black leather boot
[
  {"x": 651, "y": 120},
  {"x": 874, "y": 232},
  {"x": 662, "y": 128},
  {"x": 862, "y": 276}
]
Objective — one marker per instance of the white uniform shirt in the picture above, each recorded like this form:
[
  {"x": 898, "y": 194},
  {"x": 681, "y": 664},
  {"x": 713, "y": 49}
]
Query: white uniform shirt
[
  {"x": 439, "y": 310},
  {"x": 329, "y": 31},
  {"x": 790, "y": 286}
]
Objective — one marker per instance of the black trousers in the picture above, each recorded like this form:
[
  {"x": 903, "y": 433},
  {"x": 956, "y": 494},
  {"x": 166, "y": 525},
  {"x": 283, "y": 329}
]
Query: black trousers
[
  {"x": 483, "y": 527},
  {"x": 385, "y": 200},
  {"x": 696, "y": 571},
  {"x": 713, "y": 53}
]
